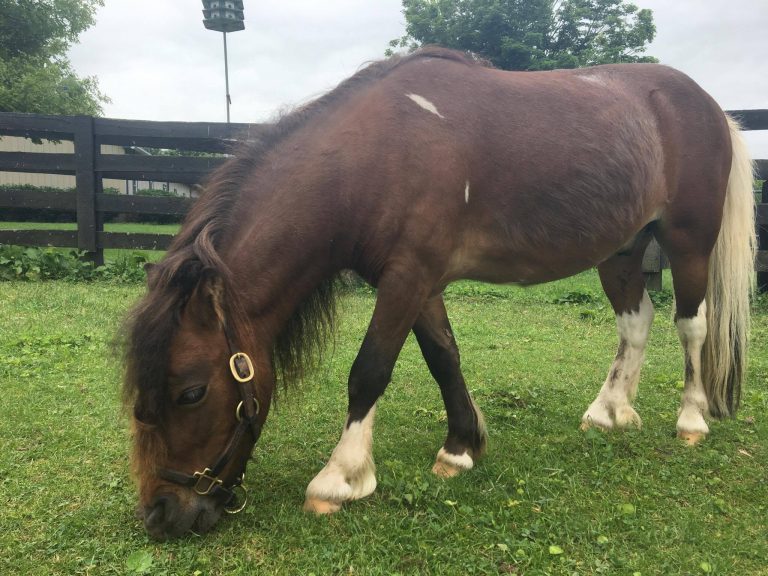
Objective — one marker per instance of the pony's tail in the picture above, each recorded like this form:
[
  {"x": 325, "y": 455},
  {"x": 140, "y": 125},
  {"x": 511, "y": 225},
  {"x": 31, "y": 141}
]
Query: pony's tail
[{"x": 729, "y": 287}]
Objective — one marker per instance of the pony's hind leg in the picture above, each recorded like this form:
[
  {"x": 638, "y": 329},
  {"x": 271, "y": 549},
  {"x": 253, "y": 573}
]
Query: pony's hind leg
[
  {"x": 466, "y": 429},
  {"x": 624, "y": 284},
  {"x": 690, "y": 279}
]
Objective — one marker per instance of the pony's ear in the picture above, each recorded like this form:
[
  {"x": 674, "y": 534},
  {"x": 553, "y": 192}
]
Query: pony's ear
[{"x": 206, "y": 304}]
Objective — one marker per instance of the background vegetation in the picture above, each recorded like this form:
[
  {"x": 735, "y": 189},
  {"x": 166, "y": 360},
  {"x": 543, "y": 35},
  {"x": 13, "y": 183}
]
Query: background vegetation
[
  {"x": 35, "y": 73},
  {"x": 534, "y": 34},
  {"x": 547, "y": 499}
]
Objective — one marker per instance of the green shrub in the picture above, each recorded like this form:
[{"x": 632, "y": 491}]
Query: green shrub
[{"x": 20, "y": 263}]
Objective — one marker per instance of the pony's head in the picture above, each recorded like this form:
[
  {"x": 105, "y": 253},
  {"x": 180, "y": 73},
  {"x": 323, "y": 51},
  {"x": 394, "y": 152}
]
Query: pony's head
[{"x": 197, "y": 406}]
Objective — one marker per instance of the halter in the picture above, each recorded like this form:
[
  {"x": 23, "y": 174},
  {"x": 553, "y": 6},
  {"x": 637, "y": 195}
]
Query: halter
[{"x": 207, "y": 481}]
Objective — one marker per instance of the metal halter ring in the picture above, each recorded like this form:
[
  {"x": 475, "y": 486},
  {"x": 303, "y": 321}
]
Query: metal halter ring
[
  {"x": 240, "y": 507},
  {"x": 233, "y": 367},
  {"x": 239, "y": 409}
]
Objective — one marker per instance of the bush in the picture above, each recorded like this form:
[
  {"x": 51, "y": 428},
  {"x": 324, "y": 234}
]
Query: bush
[{"x": 20, "y": 263}]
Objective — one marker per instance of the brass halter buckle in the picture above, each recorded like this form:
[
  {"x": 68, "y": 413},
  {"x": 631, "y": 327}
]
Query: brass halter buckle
[
  {"x": 233, "y": 367},
  {"x": 205, "y": 482}
]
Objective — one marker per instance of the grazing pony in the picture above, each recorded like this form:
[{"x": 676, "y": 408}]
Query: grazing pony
[{"x": 417, "y": 171}]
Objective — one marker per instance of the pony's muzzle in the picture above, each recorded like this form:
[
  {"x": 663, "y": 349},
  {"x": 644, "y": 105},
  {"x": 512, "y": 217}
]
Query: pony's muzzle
[
  {"x": 160, "y": 516},
  {"x": 170, "y": 515}
]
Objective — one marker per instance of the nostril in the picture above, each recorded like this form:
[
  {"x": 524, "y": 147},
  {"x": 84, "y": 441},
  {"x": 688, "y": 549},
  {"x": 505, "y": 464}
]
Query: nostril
[{"x": 160, "y": 511}]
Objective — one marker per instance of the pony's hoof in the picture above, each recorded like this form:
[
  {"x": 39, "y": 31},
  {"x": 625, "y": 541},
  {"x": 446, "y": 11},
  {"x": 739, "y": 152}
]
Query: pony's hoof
[
  {"x": 626, "y": 417},
  {"x": 445, "y": 470},
  {"x": 448, "y": 465},
  {"x": 321, "y": 506},
  {"x": 691, "y": 438},
  {"x": 588, "y": 424}
]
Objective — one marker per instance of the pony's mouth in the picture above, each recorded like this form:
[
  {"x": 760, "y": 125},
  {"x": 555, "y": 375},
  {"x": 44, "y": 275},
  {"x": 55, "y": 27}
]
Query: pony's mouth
[{"x": 166, "y": 518}]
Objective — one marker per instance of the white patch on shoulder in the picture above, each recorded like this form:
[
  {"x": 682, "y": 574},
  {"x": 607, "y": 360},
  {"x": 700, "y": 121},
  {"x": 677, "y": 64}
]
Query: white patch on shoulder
[
  {"x": 426, "y": 104},
  {"x": 466, "y": 193}
]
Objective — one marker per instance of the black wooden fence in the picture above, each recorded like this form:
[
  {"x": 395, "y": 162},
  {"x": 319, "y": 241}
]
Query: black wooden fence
[{"x": 89, "y": 165}]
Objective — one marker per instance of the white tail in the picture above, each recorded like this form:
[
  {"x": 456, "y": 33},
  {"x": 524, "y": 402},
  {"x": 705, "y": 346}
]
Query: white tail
[{"x": 730, "y": 285}]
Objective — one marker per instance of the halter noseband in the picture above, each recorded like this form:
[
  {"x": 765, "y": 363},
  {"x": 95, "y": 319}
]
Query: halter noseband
[{"x": 207, "y": 482}]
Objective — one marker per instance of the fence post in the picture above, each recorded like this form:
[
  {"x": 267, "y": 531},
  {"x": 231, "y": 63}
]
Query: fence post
[
  {"x": 762, "y": 242},
  {"x": 88, "y": 223},
  {"x": 653, "y": 264}
]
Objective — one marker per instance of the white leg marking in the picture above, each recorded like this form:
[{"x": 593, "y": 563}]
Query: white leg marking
[
  {"x": 613, "y": 404},
  {"x": 463, "y": 461},
  {"x": 694, "y": 406},
  {"x": 426, "y": 104},
  {"x": 448, "y": 465},
  {"x": 350, "y": 473},
  {"x": 466, "y": 193}
]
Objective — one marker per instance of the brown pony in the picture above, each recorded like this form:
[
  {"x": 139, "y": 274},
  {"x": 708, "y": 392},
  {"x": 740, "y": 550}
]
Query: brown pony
[{"x": 415, "y": 172}]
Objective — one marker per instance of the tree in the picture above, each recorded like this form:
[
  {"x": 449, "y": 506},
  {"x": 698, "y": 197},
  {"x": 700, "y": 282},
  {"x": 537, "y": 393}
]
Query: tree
[
  {"x": 35, "y": 74},
  {"x": 532, "y": 34}
]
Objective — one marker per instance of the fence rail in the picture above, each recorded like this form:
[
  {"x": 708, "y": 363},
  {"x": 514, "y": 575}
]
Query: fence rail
[{"x": 89, "y": 166}]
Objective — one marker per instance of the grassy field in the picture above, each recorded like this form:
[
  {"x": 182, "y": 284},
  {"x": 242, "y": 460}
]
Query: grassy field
[
  {"x": 134, "y": 227},
  {"x": 547, "y": 498}
]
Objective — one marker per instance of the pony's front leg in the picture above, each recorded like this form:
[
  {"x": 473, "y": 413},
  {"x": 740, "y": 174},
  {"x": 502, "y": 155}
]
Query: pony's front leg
[
  {"x": 466, "y": 439},
  {"x": 350, "y": 472}
]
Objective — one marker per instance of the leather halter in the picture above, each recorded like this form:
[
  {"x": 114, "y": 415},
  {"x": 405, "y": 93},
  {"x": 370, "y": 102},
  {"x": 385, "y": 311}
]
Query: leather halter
[{"x": 207, "y": 481}]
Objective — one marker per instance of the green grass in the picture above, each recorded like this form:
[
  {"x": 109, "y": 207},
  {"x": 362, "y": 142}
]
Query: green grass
[
  {"x": 133, "y": 227},
  {"x": 547, "y": 498}
]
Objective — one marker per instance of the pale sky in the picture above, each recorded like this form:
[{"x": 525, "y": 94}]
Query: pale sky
[{"x": 156, "y": 61}]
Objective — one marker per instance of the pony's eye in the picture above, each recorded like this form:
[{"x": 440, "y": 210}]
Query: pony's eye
[{"x": 192, "y": 395}]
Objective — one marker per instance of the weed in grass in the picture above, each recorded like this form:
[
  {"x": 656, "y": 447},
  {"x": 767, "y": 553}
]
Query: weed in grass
[
  {"x": 662, "y": 298},
  {"x": 575, "y": 297}
]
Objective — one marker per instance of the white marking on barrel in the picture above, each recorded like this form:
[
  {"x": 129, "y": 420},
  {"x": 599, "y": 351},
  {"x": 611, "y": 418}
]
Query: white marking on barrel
[
  {"x": 426, "y": 104},
  {"x": 466, "y": 193}
]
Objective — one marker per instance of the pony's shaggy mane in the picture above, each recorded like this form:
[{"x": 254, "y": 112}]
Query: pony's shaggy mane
[{"x": 194, "y": 256}]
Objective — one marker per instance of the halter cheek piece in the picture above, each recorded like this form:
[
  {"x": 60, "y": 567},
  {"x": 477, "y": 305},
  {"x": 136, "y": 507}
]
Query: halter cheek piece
[{"x": 207, "y": 481}]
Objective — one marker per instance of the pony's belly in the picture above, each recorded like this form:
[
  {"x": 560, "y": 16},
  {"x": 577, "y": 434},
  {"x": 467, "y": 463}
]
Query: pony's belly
[{"x": 514, "y": 268}]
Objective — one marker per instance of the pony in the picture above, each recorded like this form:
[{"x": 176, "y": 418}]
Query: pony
[{"x": 417, "y": 171}]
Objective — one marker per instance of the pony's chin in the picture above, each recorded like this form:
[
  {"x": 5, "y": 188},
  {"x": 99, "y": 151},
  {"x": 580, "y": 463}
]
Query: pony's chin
[{"x": 207, "y": 519}]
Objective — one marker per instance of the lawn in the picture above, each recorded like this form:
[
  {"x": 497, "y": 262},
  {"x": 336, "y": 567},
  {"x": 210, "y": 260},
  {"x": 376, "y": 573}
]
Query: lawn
[
  {"x": 547, "y": 498},
  {"x": 133, "y": 227}
]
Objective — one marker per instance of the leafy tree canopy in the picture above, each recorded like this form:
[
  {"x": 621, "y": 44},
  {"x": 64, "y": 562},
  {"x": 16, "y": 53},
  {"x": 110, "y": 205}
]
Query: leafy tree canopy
[
  {"x": 35, "y": 74},
  {"x": 532, "y": 34}
]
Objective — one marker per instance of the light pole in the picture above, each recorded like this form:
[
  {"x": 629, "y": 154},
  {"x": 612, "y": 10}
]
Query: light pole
[{"x": 224, "y": 16}]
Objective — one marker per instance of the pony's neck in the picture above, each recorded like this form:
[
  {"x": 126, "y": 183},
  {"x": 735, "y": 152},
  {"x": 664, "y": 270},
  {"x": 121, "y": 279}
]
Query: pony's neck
[{"x": 278, "y": 261}]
